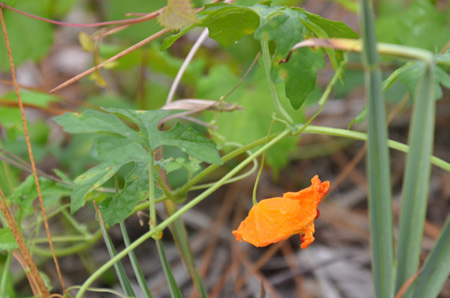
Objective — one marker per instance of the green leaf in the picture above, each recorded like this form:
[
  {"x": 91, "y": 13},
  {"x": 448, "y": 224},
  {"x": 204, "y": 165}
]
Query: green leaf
[
  {"x": 118, "y": 150},
  {"x": 132, "y": 116},
  {"x": 26, "y": 193},
  {"x": 168, "y": 41},
  {"x": 360, "y": 118},
  {"x": 227, "y": 23},
  {"x": 192, "y": 165},
  {"x": 117, "y": 208},
  {"x": 190, "y": 141},
  {"x": 335, "y": 56},
  {"x": 300, "y": 74},
  {"x": 7, "y": 240},
  {"x": 92, "y": 121},
  {"x": 436, "y": 270},
  {"x": 182, "y": 136},
  {"x": 39, "y": 36},
  {"x": 89, "y": 181},
  {"x": 332, "y": 28},
  {"x": 284, "y": 27}
]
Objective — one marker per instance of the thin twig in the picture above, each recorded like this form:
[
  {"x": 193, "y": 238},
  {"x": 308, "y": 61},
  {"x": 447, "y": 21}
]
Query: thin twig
[
  {"x": 30, "y": 151},
  {"x": 244, "y": 76},
  {"x": 113, "y": 58}
]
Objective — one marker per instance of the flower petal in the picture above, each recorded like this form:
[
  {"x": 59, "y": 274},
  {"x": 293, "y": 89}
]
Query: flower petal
[{"x": 276, "y": 219}]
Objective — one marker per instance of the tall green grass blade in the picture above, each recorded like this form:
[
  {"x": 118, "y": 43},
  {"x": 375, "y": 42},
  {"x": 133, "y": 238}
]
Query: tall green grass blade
[
  {"x": 173, "y": 287},
  {"x": 416, "y": 180},
  {"x": 182, "y": 242},
  {"x": 5, "y": 272},
  {"x": 437, "y": 267},
  {"x": 120, "y": 271},
  {"x": 135, "y": 264},
  {"x": 378, "y": 171}
]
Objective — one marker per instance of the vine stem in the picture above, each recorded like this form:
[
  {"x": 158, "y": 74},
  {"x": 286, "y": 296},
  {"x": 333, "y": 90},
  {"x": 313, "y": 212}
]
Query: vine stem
[
  {"x": 178, "y": 213},
  {"x": 255, "y": 187},
  {"x": 185, "y": 64},
  {"x": 273, "y": 90},
  {"x": 355, "y": 45},
  {"x": 151, "y": 193}
]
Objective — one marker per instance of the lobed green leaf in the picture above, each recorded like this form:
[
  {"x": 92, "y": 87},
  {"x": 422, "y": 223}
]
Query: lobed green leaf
[
  {"x": 92, "y": 121},
  {"x": 283, "y": 26},
  {"x": 117, "y": 208},
  {"x": 300, "y": 74},
  {"x": 182, "y": 136},
  {"x": 26, "y": 193},
  {"x": 89, "y": 181},
  {"x": 118, "y": 150},
  {"x": 190, "y": 141}
]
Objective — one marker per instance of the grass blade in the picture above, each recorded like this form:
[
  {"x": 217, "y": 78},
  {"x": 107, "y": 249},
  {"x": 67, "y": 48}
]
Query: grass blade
[
  {"x": 437, "y": 267},
  {"x": 5, "y": 272},
  {"x": 120, "y": 271},
  {"x": 378, "y": 170},
  {"x": 135, "y": 264},
  {"x": 182, "y": 242},
  {"x": 416, "y": 181},
  {"x": 173, "y": 287}
]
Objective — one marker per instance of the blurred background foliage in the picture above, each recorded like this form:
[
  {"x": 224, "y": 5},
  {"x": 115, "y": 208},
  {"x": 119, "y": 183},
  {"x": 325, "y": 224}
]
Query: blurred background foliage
[{"x": 141, "y": 79}]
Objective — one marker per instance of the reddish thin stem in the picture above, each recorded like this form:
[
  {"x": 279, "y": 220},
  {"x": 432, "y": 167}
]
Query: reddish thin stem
[
  {"x": 113, "y": 58},
  {"x": 146, "y": 17}
]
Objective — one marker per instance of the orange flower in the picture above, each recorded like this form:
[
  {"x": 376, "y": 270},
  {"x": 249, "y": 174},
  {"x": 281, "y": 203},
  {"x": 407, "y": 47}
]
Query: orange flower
[{"x": 276, "y": 219}]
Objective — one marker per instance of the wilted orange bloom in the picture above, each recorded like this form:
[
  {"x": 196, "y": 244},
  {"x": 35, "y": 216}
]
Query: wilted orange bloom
[{"x": 276, "y": 219}]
